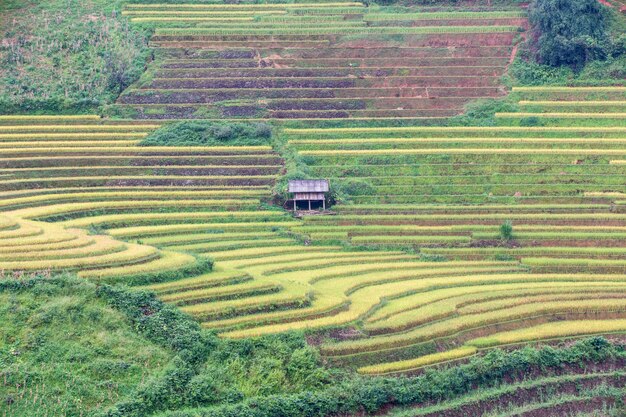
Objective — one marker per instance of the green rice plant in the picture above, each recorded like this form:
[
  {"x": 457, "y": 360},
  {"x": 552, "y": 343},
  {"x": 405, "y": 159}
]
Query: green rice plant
[
  {"x": 574, "y": 264},
  {"x": 558, "y": 89},
  {"x": 417, "y": 363},
  {"x": 572, "y": 103}
]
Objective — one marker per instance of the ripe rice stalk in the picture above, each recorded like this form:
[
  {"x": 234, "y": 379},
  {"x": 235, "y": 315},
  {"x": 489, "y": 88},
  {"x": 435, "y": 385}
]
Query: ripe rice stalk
[
  {"x": 327, "y": 31},
  {"x": 564, "y": 115},
  {"x": 557, "y": 330},
  {"x": 417, "y": 363}
]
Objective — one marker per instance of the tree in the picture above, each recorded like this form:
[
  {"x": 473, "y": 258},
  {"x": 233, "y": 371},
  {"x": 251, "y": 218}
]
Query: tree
[{"x": 567, "y": 32}]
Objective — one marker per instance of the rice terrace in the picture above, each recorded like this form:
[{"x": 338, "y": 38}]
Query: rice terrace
[{"x": 296, "y": 208}]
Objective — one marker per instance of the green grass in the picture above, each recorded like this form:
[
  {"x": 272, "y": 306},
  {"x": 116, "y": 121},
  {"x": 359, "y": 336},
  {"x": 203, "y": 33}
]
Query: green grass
[{"x": 66, "y": 352}]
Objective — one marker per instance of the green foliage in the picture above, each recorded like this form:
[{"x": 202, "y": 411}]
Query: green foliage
[
  {"x": 67, "y": 56},
  {"x": 210, "y": 134},
  {"x": 568, "y": 32},
  {"x": 482, "y": 112},
  {"x": 506, "y": 230},
  {"x": 358, "y": 395},
  {"x": 64, "y": 351}
]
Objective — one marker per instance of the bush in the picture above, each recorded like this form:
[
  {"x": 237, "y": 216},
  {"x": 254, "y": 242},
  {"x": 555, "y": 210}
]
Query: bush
[
  {"x": 506, "y": 230},
  {"x": 210, "y": 134}
]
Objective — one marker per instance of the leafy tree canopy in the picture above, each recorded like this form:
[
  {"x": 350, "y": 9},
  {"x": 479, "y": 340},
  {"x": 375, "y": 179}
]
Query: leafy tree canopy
[{"x": 566, "y": 32}]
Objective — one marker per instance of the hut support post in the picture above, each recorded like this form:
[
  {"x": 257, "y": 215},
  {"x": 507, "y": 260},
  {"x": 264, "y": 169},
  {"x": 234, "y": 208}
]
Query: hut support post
[
  {"x": 294, "y": 205},
  {"x": 323, "y": 205},
  {"x": 309, "y": 205}
]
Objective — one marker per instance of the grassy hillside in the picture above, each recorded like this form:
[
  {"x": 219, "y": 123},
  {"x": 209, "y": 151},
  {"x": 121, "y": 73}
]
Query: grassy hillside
[
  {"x": 66, "y": 56},
  {"x": 65, "y": 352}
]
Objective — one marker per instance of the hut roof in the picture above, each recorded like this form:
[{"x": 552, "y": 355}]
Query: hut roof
[{"x": 308, "y": 186}]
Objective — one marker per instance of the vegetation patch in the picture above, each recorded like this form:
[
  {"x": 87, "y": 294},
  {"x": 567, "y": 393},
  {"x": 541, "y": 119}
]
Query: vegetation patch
[{"x": 198, "y": 133}]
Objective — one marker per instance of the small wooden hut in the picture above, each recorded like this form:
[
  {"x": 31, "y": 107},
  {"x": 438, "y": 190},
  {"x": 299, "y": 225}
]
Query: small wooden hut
[{"x": 311, "y": 191}]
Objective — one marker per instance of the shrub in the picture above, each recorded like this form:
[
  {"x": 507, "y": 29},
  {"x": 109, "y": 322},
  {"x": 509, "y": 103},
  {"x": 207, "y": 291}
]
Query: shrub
[
  {"x": 506, "y": 230},
  {"x": 210, "y": 134}
]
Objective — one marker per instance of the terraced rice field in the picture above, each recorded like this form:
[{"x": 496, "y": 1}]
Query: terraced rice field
[
  {"x": 415, "y": 272},
  {"x": 444, "y": 192},
  {"x": 327, "y": 60}
]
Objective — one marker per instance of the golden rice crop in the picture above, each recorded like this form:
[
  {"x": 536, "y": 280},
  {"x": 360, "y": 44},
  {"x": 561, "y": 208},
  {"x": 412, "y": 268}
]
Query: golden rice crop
[
  {"x": 398, "y": 311},
  {"x": 204, "y": 247},
  {"x": 138, "y": 217},
  {"x": 203, "y": 150},
  {"x": 67, "y": 143},
  {"x": 192, "y": 19},
  {"x": 559, "y": 329},
  {"x": 93, "y": 128},
  {"x": 224, "y": 291},
  {"x": 565, "y": 115},
  {"x": 222, "y": 13},
  {"x": 349, "y": 130},
  {"x": 99, "y": 246},
  {"x": 454, "y": 325},
  {"x": 113, "y": 194},
  {"x": 242, "y": 6},
  {"x": 421, "y": 140},
  {"x": 422, "y": 361},
  {"x": 463, "y": 151},
  {"x": 162, "y": 230},
  {"x": 212, "y": 279},
  {"x": 50, "y": 117},
  {"x": 132, "y": 254},
  {"x": 68, "y": 208},
  {"x": 75, "y": 136},
  {"x": 163, "y": 261}
]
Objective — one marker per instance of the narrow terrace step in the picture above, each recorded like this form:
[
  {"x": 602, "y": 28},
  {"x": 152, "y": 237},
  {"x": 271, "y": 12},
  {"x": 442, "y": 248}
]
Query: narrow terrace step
[{"x": 199, "y": 95}]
